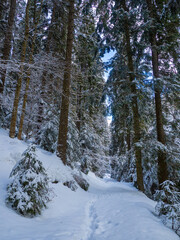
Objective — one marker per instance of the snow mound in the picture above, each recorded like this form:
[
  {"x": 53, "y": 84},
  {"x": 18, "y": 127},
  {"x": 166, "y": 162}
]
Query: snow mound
[{"x": 11, "y": 150}]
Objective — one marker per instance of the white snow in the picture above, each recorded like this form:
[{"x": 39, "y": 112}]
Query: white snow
[{"x": 108, "y": 211}]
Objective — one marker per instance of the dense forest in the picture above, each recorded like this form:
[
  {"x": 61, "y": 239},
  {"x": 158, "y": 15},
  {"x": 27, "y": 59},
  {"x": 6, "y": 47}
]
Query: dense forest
[{"x": 53, "y": 92}]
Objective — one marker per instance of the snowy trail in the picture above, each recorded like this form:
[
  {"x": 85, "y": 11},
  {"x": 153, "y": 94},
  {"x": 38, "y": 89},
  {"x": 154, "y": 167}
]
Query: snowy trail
[
  {"x": 120, "y": 212},
  {"x": 108, "y": 211}
]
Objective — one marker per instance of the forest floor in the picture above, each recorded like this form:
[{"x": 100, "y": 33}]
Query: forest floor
[{"x": 108, "y": 211}]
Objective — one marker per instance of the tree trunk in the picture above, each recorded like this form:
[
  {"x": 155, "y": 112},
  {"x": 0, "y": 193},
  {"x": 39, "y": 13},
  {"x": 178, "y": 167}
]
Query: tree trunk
[
  {"x": 162, "y": 165},
  {"x": 128, "y": 140},
  {"x": 2, "y": 8},
  {"x": 7, "y": 42},
  {"x": 36, "y": 21},
  {"x": 63, "y": 126},
  {"x": 18, "y": 87},
  {"x": 136, "y": 121},
  {"x": 79, "y": 102}
]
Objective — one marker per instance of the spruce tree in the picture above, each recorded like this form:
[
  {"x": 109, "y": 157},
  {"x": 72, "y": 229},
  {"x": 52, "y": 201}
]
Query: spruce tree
[
  {"x": 19, "y": 81},
  {"x": 37, "y": 13},
  {"x": 168, "y": 206},
  {"x": 28, "y": 193},
  {"x": 63, "y": 123},
  {"x": 7, "y": 41},
  {"x": 162, "y": 165}
]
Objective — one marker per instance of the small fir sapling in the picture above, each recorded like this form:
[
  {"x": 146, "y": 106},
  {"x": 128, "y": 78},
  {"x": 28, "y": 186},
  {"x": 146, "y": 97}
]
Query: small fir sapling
[
  {"x": 168, "y": 206},
  {"x": 28, "y": 192}
]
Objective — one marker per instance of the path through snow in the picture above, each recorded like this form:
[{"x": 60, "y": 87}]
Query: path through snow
[
  {"x": 108, "y": 211},
  {"x": 120, "y": 212}
]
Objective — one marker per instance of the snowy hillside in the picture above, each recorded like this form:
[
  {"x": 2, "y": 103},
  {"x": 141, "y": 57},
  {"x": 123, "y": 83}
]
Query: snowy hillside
[{"x": 108, "y": 211}]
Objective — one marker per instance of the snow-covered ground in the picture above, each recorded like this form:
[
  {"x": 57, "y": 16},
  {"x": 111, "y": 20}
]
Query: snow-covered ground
[{"x": 108, "y": 211}]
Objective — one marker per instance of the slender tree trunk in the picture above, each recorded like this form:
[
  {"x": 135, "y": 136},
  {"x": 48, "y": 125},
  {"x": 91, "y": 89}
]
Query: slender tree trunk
[
  {"x": 2, "y": 2},
  {"x": 79, "y": 102},
  {"x": 35, "y": 12},
  {"x": 7, "y": 41},
  {"x": 162, "y": 165},
  {"x": 136, "y": 121},
  {"x": 41, "y": 106},
  {"x": 36, "y": 21},
  {"x": 63, "y": 126},
  {"x": 18, "y": 87},
  {"x": 128, "y": 140}
]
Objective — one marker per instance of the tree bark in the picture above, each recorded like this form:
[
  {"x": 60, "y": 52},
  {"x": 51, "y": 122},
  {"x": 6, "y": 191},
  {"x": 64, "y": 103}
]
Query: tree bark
[
  {"x": 36, "y": 21},
  {"x": 128, "y": 140},
  {"x": 136, "y": 121},
  {"x": 162, "y": 165},
  {"x": 7, "y": 42},
  {"x": 18, "y": 87},
  {"x": 2, "y": 8},
  {"x": 79, "y": 102},
  {"x": 63, "y": 126}
]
